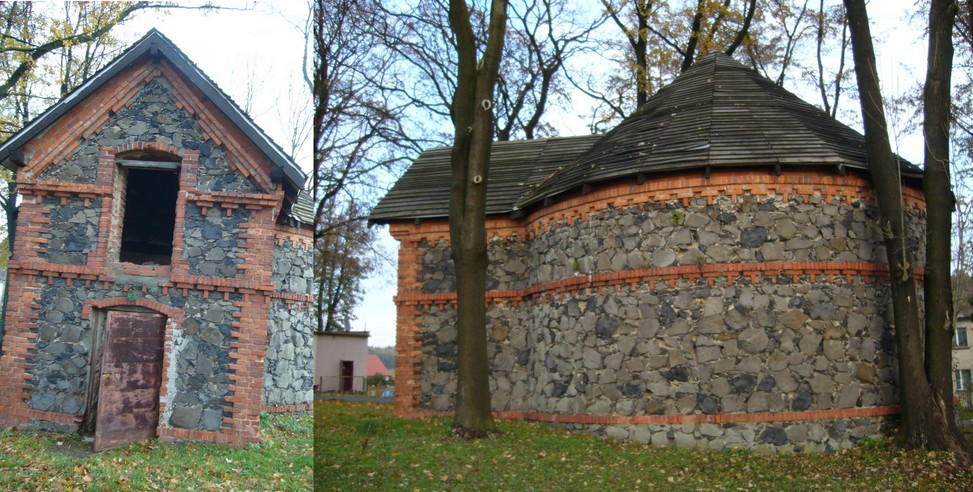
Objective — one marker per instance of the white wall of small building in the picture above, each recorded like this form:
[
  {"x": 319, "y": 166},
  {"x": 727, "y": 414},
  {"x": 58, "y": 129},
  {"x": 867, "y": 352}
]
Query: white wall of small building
[{"x": 333, "y": 348}]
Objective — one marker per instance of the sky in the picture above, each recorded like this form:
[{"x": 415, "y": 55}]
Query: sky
[{"x": 900, "y": 51}]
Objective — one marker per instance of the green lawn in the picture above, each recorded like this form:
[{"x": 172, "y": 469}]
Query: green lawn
[
  {"x": 361, "y": 446},
  {"x": 46, "y": 461}
]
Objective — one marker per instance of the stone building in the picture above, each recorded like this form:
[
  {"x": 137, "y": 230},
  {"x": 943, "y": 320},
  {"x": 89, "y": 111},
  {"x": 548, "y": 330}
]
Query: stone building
[
  {"x": 708, "y": 273},
  {"x": 159, "y": 283}
]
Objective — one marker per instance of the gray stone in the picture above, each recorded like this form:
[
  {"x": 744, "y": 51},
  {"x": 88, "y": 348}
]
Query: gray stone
[
  {"x": 186, "y": 417},
  {"x": 211, "y": 420},
  {"x": 774, "y": 435},
  {"x": 793, "y": 318},
  {"x": 663, "y": 258},
  {"x": 737, "y": 318},
  {"x": 754, "y": 237},
  {"x": 753, "y": 340}
]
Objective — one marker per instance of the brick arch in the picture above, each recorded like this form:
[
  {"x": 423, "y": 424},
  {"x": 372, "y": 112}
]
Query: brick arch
[
  {"x": 147, "y": 147},
  {"x": 174, "y": 314}
]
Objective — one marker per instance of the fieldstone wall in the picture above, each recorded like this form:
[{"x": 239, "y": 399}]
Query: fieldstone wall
[
  {"x": 198, "y": 377},
  {"x": 212, "y": 241},
  {"x": 153, "y": 116},
  {"x": 815, "y": 436},
  {"x": 672, "y": 233},
  {"x": 737, "y": 345},
  {"x": 293, "y": 268},
  {"x": 73, "y": 231},
  {"x": 62, "y": 354},
  {"x": 63, "y": 350},
  {"x": 288, "y": 366}
]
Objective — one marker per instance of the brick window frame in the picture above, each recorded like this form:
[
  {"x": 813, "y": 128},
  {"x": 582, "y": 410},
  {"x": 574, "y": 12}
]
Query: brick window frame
[{"x": 109, "y": 175}]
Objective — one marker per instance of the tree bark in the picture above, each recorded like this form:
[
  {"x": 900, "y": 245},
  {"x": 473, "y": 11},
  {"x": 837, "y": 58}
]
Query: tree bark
[
  {"x": 924, "y": 422},
  {"x": 469, "y": 159},
  {"x": 940, "y": 204}
]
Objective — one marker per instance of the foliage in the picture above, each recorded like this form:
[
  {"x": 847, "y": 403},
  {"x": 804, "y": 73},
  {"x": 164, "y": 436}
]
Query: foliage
[
  {"x": 47, "y": 461},
  {"x": 341, "y": 260},
  {"x": 361, "y": 446}
]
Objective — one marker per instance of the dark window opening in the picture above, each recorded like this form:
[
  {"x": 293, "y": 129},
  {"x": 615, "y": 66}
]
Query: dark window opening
[{"x": 150, "y": 216}]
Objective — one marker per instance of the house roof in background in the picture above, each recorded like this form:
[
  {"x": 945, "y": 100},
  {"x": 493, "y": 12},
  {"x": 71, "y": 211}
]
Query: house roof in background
[{"x": 376, "y": 367}]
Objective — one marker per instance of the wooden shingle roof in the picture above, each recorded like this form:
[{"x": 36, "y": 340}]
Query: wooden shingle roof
[
  {"x": 719, "y": 113},
  {"x": 423, "y": 191}
]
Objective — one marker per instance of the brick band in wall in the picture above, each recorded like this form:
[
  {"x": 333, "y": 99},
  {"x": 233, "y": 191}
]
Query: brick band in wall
[{"x": 811, "y": 270}]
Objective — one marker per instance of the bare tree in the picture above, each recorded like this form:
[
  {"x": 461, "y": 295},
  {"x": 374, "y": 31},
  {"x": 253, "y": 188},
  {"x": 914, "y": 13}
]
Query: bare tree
[
  {"x": 472, "y": 115},
  {"x": 925, "y": 417},
  {"x": 541, "y": 37}
]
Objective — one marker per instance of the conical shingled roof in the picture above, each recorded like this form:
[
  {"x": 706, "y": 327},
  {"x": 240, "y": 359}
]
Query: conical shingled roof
[{"x": 718, "y": 113}]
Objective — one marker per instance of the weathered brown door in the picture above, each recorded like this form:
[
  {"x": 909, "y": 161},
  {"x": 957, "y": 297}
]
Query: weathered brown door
[
  {"x": 347, "y": 376},
  {"x": 131, "y": 374}
]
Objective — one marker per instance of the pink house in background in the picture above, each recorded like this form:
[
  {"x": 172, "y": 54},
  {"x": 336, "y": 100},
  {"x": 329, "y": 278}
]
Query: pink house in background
[
  {"x": 376, "y": 367},
  {"x": 341, "y": 361}
]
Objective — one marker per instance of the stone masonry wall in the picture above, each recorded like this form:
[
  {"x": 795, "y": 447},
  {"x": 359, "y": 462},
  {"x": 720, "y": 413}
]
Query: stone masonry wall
[
  {"x": 293, "y": 268},
  {"x": 200, "y": 373},
  {"x": 288, "y": 366},
  {"x": 153, "y": 115},
  {"x": 213, "y": 246},
  {"x": 73, "y": 230},
  {"x": 741, "y": 337}
]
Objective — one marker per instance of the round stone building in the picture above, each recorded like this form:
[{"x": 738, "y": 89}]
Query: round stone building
[{"x": 709, "y": 273}]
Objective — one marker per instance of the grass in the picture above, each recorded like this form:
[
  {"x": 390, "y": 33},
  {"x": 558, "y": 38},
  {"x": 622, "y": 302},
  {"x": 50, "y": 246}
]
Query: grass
[
  {"x": 49, "y": 461},
  {"x": 362, "y": 446}
]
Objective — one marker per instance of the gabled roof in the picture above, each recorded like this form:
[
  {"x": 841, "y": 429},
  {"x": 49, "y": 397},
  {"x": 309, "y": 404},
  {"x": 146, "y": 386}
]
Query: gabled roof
[
  {"x": 423, "y": 191},
  {"x": 719, "y": 113},
  {"x": 156, "y": 45},
  {"x": 376, "y": 367}
]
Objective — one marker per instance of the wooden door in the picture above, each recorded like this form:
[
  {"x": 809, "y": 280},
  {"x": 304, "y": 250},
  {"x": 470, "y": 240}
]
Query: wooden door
[
  {"x": 131, "y": 375},
  {"x": 347, "y": 376}
]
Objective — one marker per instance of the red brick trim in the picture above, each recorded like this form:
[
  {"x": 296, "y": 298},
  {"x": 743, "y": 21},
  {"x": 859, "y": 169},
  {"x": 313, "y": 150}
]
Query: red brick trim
[
  {"x": 735, "y": 184},
  {"x": 58, "y": 188},
  {"x": 651, "y": 276},
  {"x": 226, "y": 436},
  {"x": 71, "y": 419},
  {"x": 173, "y": 313},
  {"x": 303, "y": 407},
  {"x": 226, "y": 200},
  {"x": 216, "y": 283},
  {"x": 291, "y": 297},
  {"x": 64, "y": 135},
  {"x": 240, "y": 151},
  {"x": 718, "y": 418},
  {"x": 16, "y": 362},
  {"x": 303, "y": 237}
]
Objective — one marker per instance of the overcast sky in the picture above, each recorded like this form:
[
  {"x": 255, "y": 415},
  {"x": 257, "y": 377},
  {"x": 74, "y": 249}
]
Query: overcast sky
[{"x": 901, "y": 53}]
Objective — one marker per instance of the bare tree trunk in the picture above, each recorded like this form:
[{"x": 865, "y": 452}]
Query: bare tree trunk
[
  {"x": 924, "y": 422},
  {"x": 939, "y": 204},
  {"x": 470, "y": 158}
]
